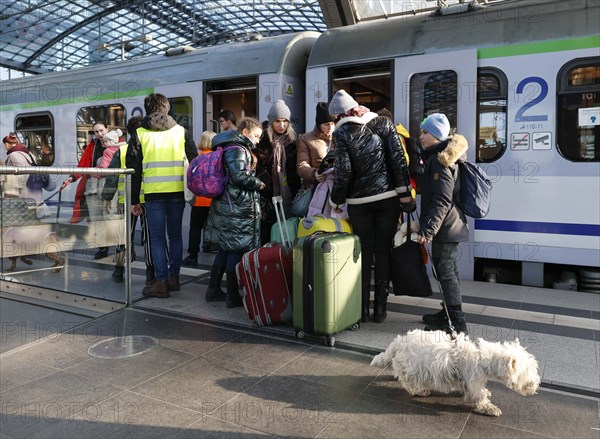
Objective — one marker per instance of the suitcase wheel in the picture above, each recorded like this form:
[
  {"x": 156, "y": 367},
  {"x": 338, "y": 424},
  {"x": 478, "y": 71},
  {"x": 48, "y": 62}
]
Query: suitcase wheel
[
  {"x": 355, "y": 327},
  {"x": 299, "y": 334},
  {"x": 330, "y": 340}
]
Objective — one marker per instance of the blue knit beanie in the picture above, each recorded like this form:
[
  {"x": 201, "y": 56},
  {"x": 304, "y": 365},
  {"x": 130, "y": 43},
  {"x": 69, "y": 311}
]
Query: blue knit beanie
[{"x": 437, "y": 125}]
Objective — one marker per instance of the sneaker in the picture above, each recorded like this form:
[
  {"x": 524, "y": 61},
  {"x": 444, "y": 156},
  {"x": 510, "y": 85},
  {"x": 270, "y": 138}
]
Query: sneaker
[
  {"x": 117, "y": 275},
  {"x": 190, "y": 261},
  {"x": 101, "y": 253}
]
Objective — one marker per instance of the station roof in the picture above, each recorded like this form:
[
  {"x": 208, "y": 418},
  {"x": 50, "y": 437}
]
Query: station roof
[{"x": 38, "y": 36}]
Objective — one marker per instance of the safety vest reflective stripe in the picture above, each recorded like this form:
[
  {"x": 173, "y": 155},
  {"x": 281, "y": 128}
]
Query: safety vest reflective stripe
[{"x": 162, "y": 163}]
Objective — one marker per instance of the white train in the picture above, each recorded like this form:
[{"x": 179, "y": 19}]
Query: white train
[{"x": 521, "y": 81}]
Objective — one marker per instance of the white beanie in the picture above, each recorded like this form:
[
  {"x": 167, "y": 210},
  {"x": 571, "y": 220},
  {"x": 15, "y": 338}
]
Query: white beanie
[
  {"x": 279, "y": 111},
  {"x": 437, "y": 125},
  {"x": 112, "y": 137},
  {"x": 341, "y": 103}
]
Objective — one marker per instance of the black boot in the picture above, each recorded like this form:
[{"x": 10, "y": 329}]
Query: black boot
[
  {"x": 438, "y": 318},
  {"x": 214, "y": 293},
  {"x": 366, "y": 297},
  {"x": 117, "y": 275},
  {"x": 150, "y": 277},
  {"x": 380, "y": 303},
  {"x": 233, "y": 298},
  {"x": 457, "y": 317}
]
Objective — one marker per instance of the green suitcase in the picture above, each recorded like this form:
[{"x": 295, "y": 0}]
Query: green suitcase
[{"x": 327, "y": 284}]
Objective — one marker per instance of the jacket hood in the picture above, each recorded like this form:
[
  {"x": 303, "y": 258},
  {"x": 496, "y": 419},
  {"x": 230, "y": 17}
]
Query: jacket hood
[
  {"x": 364, "y": 119},
  {"x": 158, "y": 122},
  {"x": 18, "y": 147},
  {"x": 231, "y": 137},
  {"x": 457, "y": 148}
]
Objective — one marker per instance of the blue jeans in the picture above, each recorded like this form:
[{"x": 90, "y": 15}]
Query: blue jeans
[
  {"x": 444, "y": 258},
  {"x": 164, "y": 219}
]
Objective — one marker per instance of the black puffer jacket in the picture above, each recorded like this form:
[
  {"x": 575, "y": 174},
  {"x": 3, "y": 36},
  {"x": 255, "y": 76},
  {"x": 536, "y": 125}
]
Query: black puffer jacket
[
  {"x": 234, "y": 216},
  {"x": 369, "y": 161},
  {"x": 441, "y": 218}
]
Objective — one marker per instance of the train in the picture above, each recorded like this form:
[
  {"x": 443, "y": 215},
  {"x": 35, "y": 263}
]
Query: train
[{"x": 520, "y": 80}]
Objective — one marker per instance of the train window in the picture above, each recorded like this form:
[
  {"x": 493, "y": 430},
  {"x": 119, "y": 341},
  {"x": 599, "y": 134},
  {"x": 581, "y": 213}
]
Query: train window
[
  {"x": 36, "y": 131},
  {"x": 370, "y": 84},
  {"x": 113, "y": 115},
  {"x": 182, "y": 112},
  {"x": 492, "y": 93},
  {"x": 432, "y": 92},
  {"x": 578, "y": 110}
]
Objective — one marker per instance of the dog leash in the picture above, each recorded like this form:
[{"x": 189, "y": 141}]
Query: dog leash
[{"x": 453, "y": 333}]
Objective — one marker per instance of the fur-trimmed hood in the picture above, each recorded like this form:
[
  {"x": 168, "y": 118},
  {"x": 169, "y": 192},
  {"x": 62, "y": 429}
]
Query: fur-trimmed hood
[
  {"x": 456, "y": 149},
  {"x": 364, "y": 119}
]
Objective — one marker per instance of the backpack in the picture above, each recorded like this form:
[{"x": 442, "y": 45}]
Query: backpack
[
  {"x": 475, "y": 190},
  {"x": 206, "y": 176}
]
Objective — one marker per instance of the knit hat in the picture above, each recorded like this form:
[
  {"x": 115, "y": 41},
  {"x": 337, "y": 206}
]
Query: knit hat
[
  {"x": 279, "y": 111},
  {"x": 341, "y": 103},
  {"x": 112, "y": 137},
  {"x": 323, "y": 115},
  {"x": 437, "y": 125}
]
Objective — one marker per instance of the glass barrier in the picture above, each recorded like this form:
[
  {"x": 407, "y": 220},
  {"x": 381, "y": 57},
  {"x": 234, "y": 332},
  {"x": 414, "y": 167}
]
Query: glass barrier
[{"x": 67, "y": 245}]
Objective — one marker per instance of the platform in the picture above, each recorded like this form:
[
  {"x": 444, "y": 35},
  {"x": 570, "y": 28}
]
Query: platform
[{"x": 216, "y": 374}]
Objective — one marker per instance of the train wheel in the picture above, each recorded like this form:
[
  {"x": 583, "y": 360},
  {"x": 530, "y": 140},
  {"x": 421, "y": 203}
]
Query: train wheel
[
  {"x": 299, "y": 334},
  {"x": 330, "y": 340}
]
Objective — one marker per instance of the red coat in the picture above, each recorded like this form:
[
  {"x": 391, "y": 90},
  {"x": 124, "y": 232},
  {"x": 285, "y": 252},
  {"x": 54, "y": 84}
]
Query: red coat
[{"x": 79, "y": 208}]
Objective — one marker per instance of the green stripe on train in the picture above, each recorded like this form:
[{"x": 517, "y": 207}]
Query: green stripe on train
[
  {"x": 543, "y": 47},
  {"x": 89, "y": 100}
]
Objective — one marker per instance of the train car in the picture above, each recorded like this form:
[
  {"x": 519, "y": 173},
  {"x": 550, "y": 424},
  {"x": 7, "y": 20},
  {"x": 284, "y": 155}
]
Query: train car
[
  {"x": 53, "y": 113},
  {"x": 521, "y": 81}
]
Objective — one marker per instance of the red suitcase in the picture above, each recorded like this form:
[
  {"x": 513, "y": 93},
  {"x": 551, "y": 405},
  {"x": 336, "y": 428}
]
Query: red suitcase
[
  {"x": 265, "y": 275},
  {"x": 265, "y": 278}
]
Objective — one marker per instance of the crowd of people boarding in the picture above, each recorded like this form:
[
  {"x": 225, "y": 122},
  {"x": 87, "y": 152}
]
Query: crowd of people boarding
[{"x": 360, "y": 155}]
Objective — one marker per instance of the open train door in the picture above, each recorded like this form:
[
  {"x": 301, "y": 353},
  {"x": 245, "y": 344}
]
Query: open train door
[
  {"x": 440, "y": 83},
  {"x": 237, "y": 95}
]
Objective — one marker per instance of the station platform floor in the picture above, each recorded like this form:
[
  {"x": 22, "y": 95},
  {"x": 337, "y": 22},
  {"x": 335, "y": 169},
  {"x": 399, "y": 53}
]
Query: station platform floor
[{"x": 214, "y": 373}]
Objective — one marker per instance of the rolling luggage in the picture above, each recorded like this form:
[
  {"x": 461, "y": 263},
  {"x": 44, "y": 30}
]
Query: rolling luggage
[
  {"x": 319, "y": 223},
  {"x": 265, "y": 278},
  {"x": 327, "y": 284}
]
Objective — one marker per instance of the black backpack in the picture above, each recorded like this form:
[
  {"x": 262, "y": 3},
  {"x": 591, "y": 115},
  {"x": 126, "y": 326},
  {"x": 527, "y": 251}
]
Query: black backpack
[{"x": 475, "y": 189}]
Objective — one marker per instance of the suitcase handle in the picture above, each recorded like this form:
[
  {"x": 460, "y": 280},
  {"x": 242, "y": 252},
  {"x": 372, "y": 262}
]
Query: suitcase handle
[{"x": 284, "y": 234}]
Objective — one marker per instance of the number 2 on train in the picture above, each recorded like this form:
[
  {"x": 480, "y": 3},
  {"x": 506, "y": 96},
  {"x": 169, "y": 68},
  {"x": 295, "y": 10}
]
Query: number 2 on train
[{"x": 520, "y": 117}]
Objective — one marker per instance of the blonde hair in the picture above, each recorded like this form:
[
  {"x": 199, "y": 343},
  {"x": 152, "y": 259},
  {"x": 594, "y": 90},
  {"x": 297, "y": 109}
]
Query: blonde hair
[
  {"x": 290, "y": 132},
  {"x": 205, "y": 140}
]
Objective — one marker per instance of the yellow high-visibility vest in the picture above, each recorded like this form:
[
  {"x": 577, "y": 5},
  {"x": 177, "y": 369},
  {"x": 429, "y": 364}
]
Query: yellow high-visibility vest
[
  {"x": 121, "y": 184},
  {"x": 162, "y": 164}
]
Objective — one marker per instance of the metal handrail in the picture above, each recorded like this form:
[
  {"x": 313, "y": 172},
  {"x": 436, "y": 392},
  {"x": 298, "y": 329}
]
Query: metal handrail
[{"x": 19, "y": 170}]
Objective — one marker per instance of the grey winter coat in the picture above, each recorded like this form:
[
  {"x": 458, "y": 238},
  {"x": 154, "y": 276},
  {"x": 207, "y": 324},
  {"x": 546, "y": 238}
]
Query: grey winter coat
[
  {"x": 234, "y": 216},
  {"x": 441, "y": 218},
  {"x": 369, "y": 161}
]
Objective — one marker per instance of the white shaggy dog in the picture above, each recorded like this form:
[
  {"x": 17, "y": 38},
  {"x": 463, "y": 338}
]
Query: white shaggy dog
[{"x": 431, "y": 361}]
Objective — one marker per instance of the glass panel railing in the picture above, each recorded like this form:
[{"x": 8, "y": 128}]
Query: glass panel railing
[{"x": 70, "y": 246}]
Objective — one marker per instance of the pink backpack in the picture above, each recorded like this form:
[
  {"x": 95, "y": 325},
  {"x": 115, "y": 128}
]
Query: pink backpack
[{"x": 206, "y": 175}]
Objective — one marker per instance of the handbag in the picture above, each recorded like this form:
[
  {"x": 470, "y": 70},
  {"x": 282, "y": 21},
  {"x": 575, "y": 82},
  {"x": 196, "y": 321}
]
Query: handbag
[
  {"x": 408, "y": 269},
  {"x": 302, "y": 201},
  {"x": 189, "y": 196}
]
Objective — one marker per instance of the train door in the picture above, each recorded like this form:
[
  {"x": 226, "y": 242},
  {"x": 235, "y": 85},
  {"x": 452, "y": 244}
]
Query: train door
[
  {"x": 440, "y": 83},
  {"x": 238, "y": 95},
  {"x": 437, "y": 83},
  {"x": 369, "y": 84},
  {"x": 186, "y": 105}
]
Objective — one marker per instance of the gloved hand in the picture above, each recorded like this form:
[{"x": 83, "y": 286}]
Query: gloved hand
[{"x": 408, "y": 206}]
